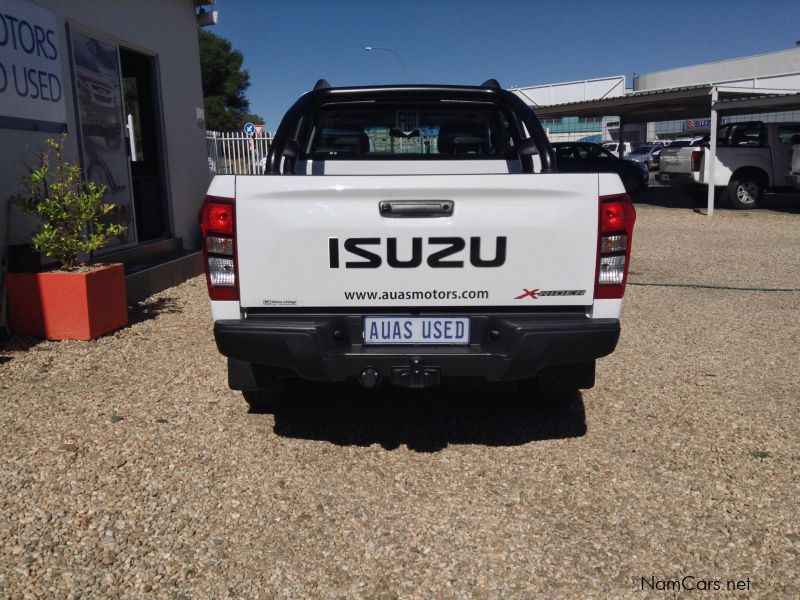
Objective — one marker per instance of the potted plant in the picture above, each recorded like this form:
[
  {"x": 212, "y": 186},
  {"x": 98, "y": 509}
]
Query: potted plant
[{"x": 75, "y": 300}]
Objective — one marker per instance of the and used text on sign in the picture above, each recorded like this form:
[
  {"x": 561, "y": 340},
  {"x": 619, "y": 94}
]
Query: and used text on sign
[{"x": 31, "y": 82}]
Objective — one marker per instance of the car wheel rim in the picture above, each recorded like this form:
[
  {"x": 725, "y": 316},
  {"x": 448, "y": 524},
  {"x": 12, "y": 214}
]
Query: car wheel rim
[{"x": 746, "y": 193}]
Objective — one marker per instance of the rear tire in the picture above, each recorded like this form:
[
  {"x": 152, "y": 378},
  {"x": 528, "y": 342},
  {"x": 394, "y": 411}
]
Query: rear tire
[
  {"x": 266, "y": 401},
  {"x": 744, "y": 193},
  {"x": 545, "y": 397}
]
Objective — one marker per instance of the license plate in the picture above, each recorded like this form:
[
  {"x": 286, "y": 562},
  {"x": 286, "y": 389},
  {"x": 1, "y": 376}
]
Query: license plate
[
  {"x": 664, "y": 177},
  {"x": 416, "y": 330}
]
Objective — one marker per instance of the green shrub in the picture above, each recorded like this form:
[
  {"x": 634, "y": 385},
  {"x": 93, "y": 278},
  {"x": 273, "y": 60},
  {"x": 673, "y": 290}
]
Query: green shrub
[{"x": 71, "y": 208}]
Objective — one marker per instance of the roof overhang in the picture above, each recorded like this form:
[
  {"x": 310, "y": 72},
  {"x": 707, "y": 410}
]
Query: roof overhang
[
  {"x": 678, "y": 103},
  {"x": 768, "y": 101}
]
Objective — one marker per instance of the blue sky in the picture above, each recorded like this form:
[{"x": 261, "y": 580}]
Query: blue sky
[{"x": 288, "y": 45}]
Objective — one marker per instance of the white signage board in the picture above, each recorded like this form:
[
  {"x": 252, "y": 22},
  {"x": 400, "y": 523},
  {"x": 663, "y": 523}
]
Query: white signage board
[{"x": 32, "y": 91}]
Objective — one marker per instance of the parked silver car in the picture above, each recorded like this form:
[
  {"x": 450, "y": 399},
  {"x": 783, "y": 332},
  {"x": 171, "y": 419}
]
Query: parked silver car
[{"x": 648, "y": 155}]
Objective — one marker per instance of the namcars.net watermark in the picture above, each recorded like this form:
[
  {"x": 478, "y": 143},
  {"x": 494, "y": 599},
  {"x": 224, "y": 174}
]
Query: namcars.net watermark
[{"x": 692, "y": 583}]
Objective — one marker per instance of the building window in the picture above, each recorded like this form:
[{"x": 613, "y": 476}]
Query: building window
[
  {"x": 590, "y": 119},
  {"x": 550, "y": 121}
]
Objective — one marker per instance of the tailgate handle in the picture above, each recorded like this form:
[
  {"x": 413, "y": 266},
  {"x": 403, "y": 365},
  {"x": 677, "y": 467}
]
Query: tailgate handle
[{"x": 416, "y": 208}]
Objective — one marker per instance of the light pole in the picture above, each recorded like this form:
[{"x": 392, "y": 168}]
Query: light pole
[{"x": 402, "y": 64}]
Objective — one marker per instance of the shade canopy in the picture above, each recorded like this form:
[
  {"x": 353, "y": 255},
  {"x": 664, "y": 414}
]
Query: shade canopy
[{"x": 676, "y": 103}]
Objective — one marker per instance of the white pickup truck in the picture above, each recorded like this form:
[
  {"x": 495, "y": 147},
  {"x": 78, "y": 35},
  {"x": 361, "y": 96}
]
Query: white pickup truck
[
  {"x": 752, "y": 156},
  {"x": 675, "y": 162},
  {"x": 411, "y": 233}
]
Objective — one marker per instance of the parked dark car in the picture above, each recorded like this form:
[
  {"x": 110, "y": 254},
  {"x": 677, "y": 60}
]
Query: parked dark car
[{"x": 585, "y": 157}]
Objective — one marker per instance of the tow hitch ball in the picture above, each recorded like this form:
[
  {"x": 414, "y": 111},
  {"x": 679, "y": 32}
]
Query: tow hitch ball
[{"x": 416, "y": 375}]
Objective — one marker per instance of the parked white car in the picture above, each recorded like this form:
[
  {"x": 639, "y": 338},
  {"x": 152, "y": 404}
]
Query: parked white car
[
  {"x": 614, "y": 147},
  {"x": 752, "y": 156}
]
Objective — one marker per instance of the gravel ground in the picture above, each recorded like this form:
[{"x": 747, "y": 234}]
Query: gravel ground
[{"x": 127, "y": 467}]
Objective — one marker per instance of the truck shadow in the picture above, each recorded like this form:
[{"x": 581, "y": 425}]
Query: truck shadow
[
  {"x": 666, "y": 197},
  {"x": 426, "y": 420}
]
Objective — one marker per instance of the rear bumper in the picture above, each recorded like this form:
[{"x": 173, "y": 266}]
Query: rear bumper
[
  {"x": 504, "y": 346},
  {"x": 674, "y": 179}
]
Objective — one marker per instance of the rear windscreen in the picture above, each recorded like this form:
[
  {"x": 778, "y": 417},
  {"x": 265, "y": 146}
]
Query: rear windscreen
[{"x": 453, "y": 131}]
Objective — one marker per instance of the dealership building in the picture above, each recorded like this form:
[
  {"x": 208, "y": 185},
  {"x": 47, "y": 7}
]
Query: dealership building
[
  {"x": 122, "y": 81},
  {"x": 773, "y": 73}
]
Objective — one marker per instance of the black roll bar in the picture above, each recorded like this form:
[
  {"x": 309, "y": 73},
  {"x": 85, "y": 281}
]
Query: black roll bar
[{"x": 489, "y": 92}]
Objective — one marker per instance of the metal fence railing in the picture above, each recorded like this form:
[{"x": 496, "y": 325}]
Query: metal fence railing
[{"x": 235, "y": 153}]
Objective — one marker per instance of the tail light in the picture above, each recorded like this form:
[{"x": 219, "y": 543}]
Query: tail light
[
  {"x": 697, "y": 157},
  {"x": 615, "y": 231},
  {"x": 218, "y": 227}
]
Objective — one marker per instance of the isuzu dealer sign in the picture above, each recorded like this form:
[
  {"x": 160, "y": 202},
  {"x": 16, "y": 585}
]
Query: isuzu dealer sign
[
  {"x": 698, "y": 123},
  {"x": 31, "y": 84}
]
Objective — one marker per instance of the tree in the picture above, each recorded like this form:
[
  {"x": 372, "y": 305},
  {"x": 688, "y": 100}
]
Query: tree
[
  {"x": 253, "y": 118},
  {"x": 224, "y": 84}
]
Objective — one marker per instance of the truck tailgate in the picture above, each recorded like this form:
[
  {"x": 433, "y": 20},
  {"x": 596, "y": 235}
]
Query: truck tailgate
[
  {"x": 676, "y": 160},
  {"x": 517, "y": 241}
]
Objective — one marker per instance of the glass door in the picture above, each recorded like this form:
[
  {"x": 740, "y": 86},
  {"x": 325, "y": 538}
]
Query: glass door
[
  {"x": 104, "y": 147},
  {"x": 143, "y": 118}
]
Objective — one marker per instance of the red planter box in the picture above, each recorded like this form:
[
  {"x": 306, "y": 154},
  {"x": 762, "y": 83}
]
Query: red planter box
[{"x": 61, "y": 306}]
